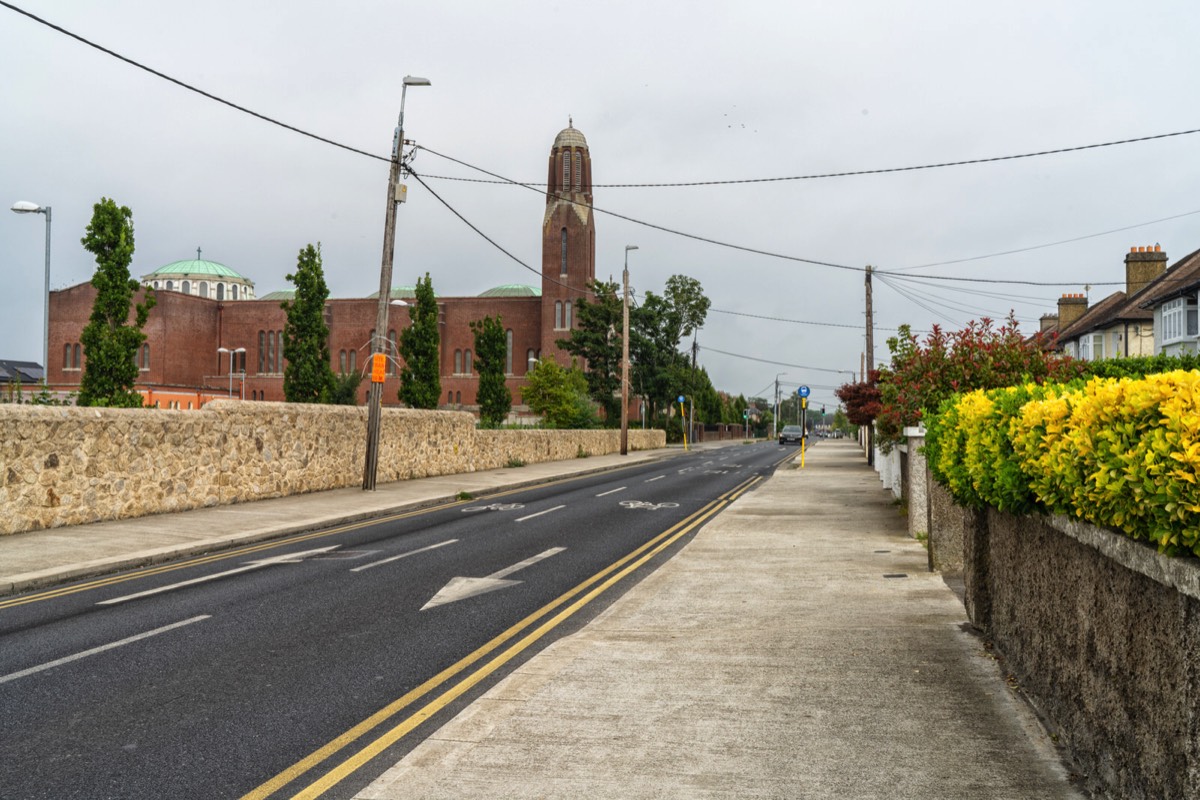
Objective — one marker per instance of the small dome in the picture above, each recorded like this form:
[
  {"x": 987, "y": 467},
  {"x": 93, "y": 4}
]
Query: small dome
[
  {"x": 570, "y": 137},
  {"x": 513, "y": 290},
  {"x": 399, "y": 293}
]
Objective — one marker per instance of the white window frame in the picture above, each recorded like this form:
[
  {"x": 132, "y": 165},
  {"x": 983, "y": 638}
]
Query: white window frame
[{"x": 1174, "y": 318}]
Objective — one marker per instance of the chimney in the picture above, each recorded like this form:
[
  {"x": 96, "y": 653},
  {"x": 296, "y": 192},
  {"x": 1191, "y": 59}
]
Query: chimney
[
  {"x": 1143, "y": 265},
  {"x": 1049, "y": 321},
  {"x": 1070, "y": 308}
]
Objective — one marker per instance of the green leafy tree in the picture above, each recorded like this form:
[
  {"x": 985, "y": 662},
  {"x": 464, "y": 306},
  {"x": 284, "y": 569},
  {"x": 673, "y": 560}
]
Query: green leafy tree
[
  {"x": 597, "y": 340},
  {"x": 110, "y": 343},
  {"x": 491, "y": 353},
  {"x": 560, "y": 395},
  {"x": 307, "y": 378},
  {"x": 345, "y": 389},
  {"x": 420, "y": 377}
]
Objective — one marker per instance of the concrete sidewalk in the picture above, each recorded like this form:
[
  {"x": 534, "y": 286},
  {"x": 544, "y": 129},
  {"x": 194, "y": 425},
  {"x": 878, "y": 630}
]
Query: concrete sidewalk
[
  {"x": 44, "y": 558},
  {"x": 796, "y": 648}
]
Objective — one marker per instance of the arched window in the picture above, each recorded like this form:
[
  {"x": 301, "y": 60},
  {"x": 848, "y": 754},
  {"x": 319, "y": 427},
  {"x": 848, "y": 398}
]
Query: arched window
[
  {"x": 204, "y": 289},
  {"x": 557, "y": 315},
  {"x": 449, "y": 398},
  {"x": 270, "y": 348},
  {"x": 467, "y": 362},
  {"x": 458, "y": 362},
  {"x": 220, "y": 291},
  {"x": 75, "y": 361},
  {"x": 145, "y": 357},
  {"x": 170, "y": 286},
  {"x": 342, "y": 362},
  {"x": 233, "y": 292},
  {"x": 187, "y": 287},
  {"x": 578, "y": 171},
  {"x": 262, "y": 350},
  {"x": 156, "y": 284},
  {"x": 529, "y": 356},
  {"x": 66, "y": 356},
  {"x": 458, "y": 398},
  {"x": 508, "y": 352},
  {"x": 567, "y": 314},
  {"x": 563, "y": 268},
  {"x": 354, "y": 361},
  {"x": 566, "y": 169}
]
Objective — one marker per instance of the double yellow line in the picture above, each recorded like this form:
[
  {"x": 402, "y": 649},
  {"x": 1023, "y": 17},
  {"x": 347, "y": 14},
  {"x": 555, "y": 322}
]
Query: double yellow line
[{"x": 570, "y": 602}]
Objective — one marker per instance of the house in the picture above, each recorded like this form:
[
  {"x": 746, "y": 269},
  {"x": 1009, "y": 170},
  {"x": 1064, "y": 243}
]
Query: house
[
  {"x": 26, "y": 373},
  {"x": 1118, "y": 326},
  {"x": 1172, "y": 301}
]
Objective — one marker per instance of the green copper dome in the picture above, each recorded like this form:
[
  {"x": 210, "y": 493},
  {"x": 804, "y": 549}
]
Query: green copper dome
[
  {"x": 399, "y": 293},
  {"x": 513, "y": 290},
  {"x": 196, "y": 267}
]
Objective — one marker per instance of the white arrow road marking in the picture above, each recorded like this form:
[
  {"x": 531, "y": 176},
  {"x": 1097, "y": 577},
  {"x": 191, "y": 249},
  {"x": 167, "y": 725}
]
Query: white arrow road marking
[
  {"x": 612, "y": 491},
  {"x": 538, "y": 514},
  {"x": 404, "y": 555},
  {"x": 12, "y": 676},
  {"x": 462, "y": 588},
  {"x": 287, "y": 558}
]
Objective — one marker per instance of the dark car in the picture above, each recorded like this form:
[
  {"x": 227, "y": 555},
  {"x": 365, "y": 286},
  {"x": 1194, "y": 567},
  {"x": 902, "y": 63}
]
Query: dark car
[{"x": 791, "y": 433}]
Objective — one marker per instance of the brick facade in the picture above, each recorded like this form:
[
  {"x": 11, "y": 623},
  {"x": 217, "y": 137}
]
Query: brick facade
[{"x": 184, "y": 332}]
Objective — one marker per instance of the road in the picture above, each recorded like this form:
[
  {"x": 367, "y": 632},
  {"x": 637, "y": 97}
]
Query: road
[{"x": 304, "y": 667}]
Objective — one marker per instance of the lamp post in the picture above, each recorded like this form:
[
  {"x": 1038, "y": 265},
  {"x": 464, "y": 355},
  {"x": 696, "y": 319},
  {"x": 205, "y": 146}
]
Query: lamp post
[
  {"x": 26, "y": 207},
  {"x": 395, "y": 195},
  {"x": 625, "y": 356},
  {"x": 232, "y": 356},
  {"x": 775, "y": 416}
]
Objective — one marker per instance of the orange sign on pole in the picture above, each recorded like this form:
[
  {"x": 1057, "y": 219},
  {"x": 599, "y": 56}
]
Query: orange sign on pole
[{"x": 378, "y": 368}]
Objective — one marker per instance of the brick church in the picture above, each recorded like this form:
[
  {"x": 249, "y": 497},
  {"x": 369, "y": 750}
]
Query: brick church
[{"x": 210, "y": 335}]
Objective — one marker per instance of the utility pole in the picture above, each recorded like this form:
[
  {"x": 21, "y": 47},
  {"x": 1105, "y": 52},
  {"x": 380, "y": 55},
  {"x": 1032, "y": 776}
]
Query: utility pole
[
  {"x": 692, "y": 403},
  {"x": 395, "y": 195},
  {"x": 870, "y": 364},
  {"x": 625, "y": 355}
]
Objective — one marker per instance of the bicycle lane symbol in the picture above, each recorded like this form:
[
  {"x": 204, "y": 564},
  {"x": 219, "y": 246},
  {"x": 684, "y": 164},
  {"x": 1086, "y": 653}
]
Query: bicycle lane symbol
[
  {"x": 493, "y": 507},
  {"x": 642, "y": 504}
]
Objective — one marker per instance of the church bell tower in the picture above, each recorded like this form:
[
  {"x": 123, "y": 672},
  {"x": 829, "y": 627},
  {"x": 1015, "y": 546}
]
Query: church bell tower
[{"x": 568, "y": 238}]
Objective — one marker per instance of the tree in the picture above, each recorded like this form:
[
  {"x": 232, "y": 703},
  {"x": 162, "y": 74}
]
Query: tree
[
  {"x": 420, "y": 377},
  {"x": 491, "y": 353},
  {"x": 597, "y": 340},
  {"x": 560, "y": 395},
  {"x": 307, "y": 378},
  {"x": 345, "y": 389},
  {"x": 110, "y": 344},
  {"x": 686, "y": 296}
]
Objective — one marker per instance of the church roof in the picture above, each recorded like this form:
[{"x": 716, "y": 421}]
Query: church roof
[
  {"x": 196, "y": 267},
  {"x": 512, "y": 290},
  {"x": 570, "y": 137}
]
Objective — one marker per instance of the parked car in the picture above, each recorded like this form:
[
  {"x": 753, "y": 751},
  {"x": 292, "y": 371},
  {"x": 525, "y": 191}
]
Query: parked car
[{"x": 791, "y": 433}]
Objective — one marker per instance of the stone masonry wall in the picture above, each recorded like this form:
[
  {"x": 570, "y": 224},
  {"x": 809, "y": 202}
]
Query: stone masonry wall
[
  {"x": 67, "y": 466},
  {"x": 1102, "y": 633}
]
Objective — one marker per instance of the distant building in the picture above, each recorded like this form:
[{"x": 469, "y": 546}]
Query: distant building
[
  {"x": 203, "y": 306},
  {"x": 25, "y": 373}
]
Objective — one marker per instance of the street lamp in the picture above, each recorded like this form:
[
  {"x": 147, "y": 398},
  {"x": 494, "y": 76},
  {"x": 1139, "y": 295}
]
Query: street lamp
[
  {"x": 26, "y": 207},
  {"x": 232, "y": 356},
  {"x": 625, "y": 356},
  {"x": 395, "y": 195}
]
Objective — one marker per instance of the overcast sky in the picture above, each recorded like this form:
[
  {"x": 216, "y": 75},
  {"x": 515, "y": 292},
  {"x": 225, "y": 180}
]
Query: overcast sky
[{"x": 664, "y": 92}]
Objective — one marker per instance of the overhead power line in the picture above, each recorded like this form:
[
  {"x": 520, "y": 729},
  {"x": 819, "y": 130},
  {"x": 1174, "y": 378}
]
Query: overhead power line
[
  {"x": 857, "y": 172},
  {"x": 769, "y": 361},
  {"x": 742, "y": 248},
  {"x": 188, "y": 86}
]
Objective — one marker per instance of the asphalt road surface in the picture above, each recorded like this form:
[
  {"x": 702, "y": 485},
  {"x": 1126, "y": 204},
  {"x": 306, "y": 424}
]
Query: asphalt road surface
[{"x": 304, "y": 667}]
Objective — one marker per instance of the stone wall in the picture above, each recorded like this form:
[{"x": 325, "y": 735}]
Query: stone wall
[
  {"x": 67, "y": 466},
  {"x": 1102, "y": 633}
]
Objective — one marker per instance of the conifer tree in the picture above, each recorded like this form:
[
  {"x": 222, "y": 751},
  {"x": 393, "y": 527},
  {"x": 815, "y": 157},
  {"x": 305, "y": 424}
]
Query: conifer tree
[
  {"x": 491, "y": 355},
  {"x": 110, "y": 343},
  {"x": 308, "y": 377},
  {"x": 420, "y": 377}
]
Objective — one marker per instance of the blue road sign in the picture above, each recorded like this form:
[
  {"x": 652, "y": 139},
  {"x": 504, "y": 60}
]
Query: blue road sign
[
  {"x": 681, "y": 398},
  {"x": 802, "y": 391}
]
